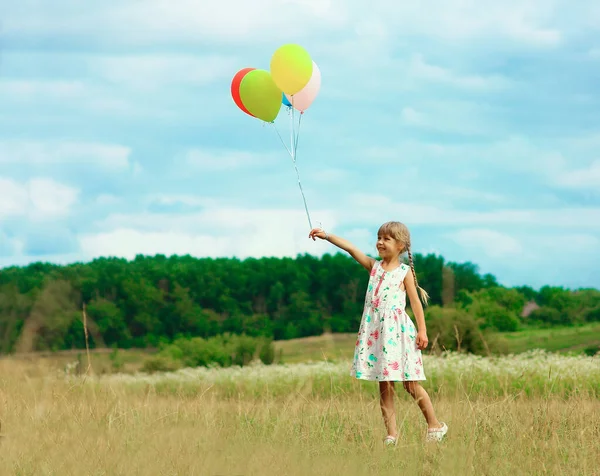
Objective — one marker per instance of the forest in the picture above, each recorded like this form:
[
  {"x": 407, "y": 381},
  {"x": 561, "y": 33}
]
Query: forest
[{"x": 154, "y": 300}]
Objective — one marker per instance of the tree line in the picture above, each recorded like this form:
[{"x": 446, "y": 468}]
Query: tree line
[{"x": 157, "y": 299}]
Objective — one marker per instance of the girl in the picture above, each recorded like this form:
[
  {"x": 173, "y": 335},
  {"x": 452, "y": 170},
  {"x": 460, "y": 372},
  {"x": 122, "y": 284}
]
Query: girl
[{"x": 388, "y": 348}]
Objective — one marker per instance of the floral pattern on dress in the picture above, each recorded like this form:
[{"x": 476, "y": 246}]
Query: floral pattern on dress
[{"x": 386, "y": 347}]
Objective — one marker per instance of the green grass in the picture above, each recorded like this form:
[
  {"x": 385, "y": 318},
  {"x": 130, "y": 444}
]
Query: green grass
[
  {"x": 312, "y": 349},
  {"x": 341, "y": 346},
  {"x": 558, "y": 339}
]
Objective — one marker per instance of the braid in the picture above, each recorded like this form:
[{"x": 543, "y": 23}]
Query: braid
[{"x": 422, "y": 292}]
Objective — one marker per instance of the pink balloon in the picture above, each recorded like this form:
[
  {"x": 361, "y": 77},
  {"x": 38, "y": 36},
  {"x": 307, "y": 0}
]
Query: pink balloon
[{"x": 304, "y": 98}]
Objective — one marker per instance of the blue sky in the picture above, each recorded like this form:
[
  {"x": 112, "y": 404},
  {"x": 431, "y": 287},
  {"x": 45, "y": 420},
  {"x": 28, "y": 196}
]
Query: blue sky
[{"x": 474, "y": 122}]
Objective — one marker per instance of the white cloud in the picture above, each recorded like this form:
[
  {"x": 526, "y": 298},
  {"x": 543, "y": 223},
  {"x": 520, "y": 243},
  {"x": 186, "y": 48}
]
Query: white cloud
[
  {"x": 220, "y": 217},
  {"x": 219, "y": 159},
  {"x": 38, "y": 198},
  {"x": 491, "y": 242},
  {"x": 567, "y": 244},
  {"x": 212, "y": 232},
  {"x": 451, "y": 115},
  {"x": 452, "y": 194},
  {"x": 13, "y": 198},
  {"x": 137, "y": 169},
  {"x": 330, "y": 175},
  {"x": 32, "y": 90},
  {"x": 377, "y": 208},
  {"x": 10, "y": 246},
  {"x": 110, "y": 156},
  {"x": 181, "y": 199},
  {"x": 153, "y": 71},
  {"x": 152, "y": 21},
  {"x": 381, "y": 153},
  {"x": 51, "y": 199},
  {"x": 80, "y": 94},
  {"x": 128, "y": 243},
  {"x": 567, "y": 162},
  {"x": 470, "y": 19},
  {"x": 420, "y": 69},
  {"x": 536, "y": 22},
  {"x": 107, "y": 199},
  {"x": 59, "y": 96},
  {"x": 588, "y": 177},
  {"x": 411, "y": 116}
]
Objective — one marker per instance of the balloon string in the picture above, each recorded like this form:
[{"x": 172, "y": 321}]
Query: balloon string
[
  {"x": 302, "y": 192},
  {"x": 294, "y": 144},
  {"x": 292, "y": 131},
  {"x": 281, "y": 139},
  {"x": 292, "y": 155},
  {"x": 298, "y": 134}
]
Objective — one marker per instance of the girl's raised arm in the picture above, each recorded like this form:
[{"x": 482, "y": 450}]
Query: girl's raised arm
[{"x": 365, "y": 261}]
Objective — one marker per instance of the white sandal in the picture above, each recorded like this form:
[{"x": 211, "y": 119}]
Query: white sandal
[
  {"x": 437, "y": 434},
  {"x": 390, "y": 441}
]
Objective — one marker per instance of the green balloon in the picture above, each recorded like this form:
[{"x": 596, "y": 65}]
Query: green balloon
[{"x": 260, "y": 95}]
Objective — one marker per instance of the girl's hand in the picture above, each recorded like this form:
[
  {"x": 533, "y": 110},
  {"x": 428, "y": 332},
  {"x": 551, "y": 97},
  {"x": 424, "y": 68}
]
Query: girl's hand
[
  {"x": 317, "y": 232},
  {"x": 422, "y": 340}
]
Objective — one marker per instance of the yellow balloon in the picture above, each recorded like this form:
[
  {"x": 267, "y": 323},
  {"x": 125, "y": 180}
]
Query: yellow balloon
[{"x": 291, "y": 68}]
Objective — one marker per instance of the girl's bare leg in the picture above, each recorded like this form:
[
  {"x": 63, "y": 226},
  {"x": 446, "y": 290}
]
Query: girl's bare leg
[
  {"x": 386, "y": 394},
  {"x": 422, "y": 397}
]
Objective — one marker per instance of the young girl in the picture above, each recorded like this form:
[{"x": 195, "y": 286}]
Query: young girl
[{"x": 388, "y": 348}]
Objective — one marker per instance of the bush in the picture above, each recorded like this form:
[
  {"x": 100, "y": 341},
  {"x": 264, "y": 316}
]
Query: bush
[
  {"x": 244, "y": 349},
  {"x": 592, "y": 315},
  {"x": 455, "y": 329},
  {"x": 116, "y": 359},
  {"x": 494, "y": 308},
  {"x": 496, "y": 317},
  {"x": 222, "y": 350},
  {"x": 197, "y": 351},
  {"x": 160, "y": 363},
  {"x": 592, "y": 350},
  {"x": 546, "y": 316},
  {"x": 267, "y": 352}
]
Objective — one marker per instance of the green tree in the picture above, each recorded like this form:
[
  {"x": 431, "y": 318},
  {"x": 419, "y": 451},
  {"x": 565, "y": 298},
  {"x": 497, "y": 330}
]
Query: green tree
[
  {"x": 14, "y": 309},
  {"x": 52, "y": 316},
  {"x": 154, "y": 299},
  {"x": 110, "y": 321}
]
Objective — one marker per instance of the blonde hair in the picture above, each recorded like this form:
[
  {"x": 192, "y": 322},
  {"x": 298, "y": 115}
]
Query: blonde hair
[{"x": 399, "y": 232}]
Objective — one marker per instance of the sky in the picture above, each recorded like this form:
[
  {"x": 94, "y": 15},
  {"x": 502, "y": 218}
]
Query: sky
[{"x": 475, "y": 122}]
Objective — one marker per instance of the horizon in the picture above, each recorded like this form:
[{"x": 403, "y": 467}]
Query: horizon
[{"x": 119, "y": 136}]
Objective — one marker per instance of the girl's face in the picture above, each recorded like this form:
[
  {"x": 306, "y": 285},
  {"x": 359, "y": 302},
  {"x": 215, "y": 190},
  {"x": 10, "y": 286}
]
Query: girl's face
[{"x": 388, "y": 247}]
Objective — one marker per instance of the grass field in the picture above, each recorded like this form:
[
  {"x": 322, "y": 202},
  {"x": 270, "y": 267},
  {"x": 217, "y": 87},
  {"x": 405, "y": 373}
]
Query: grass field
[
  {"x": 328, "y": 347},
  {"x": 530, "y": 414},
  {"x": 565, "y": 339},
  {"x": 341, "y": 346}
]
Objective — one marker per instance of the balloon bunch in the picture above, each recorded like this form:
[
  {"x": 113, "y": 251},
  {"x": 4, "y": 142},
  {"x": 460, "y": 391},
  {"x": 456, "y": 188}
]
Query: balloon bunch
[
  {"x": 294, "y": 81},
  {"x": 258, "y": 92}
]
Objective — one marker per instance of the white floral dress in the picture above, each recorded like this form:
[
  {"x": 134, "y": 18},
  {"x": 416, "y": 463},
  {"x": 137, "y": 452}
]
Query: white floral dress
[{"x": 386, "y": 348}]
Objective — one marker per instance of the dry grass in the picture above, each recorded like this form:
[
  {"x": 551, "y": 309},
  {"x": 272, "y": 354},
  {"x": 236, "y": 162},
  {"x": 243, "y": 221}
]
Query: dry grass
[{"x": 54, "y": 425}]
